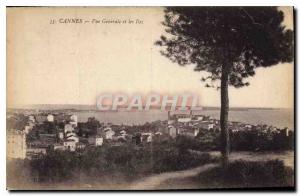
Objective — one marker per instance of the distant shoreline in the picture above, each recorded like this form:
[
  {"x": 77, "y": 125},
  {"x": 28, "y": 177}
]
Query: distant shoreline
[
  {"x": 270, "y": 116},
  {"x": 94, "y": 108}
]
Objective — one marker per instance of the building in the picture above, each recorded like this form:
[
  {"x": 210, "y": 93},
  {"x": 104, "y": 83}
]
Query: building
[
  {"x": 198, "y": 117},
  {"x": 99, "y": 141},
  {"x": 147, "y": 137},
  {"x": 40, "y": 119},
  {"x": 205, "y": 125},
  {"x": 287, "y": 132},
  {"x": 172, "y": 131},
  {"x": 31, "y": 118},
  {"x": 61, "y": 118},
  {"x": 16, "y": 144},
  {"x": 80, "y": 145},
  {"x": 158, "y": 133},
  {"x": 35, "y": 152},
  {"x": 59, "y": 146},
  {"x": 189, "y": 132},
  {"x": 61, "y": 135},
  {"x": 70, "y": 145},
  {"x": 27, "y": 128},
  {"x": 109, "y": 133},
  {"x": 74, "y": 120},
  {"x": 96, "y": 141},
  {"x": 50, "y": 118},
  {"x": 182, "y": 118},
  {"x": 69, "y": 128},
  {"x": 123, "y": 133},
  {"x": 47, "y": 138},
  {"x": 72, "y": 137},
  {"x": 170, "y": 122}
]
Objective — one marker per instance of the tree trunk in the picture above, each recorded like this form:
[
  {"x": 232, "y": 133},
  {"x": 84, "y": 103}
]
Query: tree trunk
[{"x": 224, "y": 116}]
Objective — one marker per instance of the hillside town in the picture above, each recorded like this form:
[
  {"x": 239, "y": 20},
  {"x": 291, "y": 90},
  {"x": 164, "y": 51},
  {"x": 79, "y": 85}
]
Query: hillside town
[{"x": 32, "y": 134}]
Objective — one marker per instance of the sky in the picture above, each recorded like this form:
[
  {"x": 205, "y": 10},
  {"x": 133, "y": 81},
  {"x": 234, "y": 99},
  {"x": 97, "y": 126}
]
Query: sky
[{"x": 73, "y": 63}]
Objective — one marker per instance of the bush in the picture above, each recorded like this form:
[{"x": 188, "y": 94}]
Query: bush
[
  {"x": 254, "y": 140},
  {"x": 128, "y": 161},
  {"x": 250, "y": 174},
  {"x": 174, "y": 160},
  {"x": 55, "y": 166}
]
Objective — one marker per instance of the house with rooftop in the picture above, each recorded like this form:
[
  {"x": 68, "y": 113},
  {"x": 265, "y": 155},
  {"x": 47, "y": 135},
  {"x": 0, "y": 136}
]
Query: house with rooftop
[
  {"x": 109, "y": 133},
  {"x": 16, "y": 144}
]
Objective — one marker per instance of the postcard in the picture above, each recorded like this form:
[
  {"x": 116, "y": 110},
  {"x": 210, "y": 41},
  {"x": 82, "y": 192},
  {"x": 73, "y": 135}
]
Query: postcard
[{"x": 150, "y": 98}]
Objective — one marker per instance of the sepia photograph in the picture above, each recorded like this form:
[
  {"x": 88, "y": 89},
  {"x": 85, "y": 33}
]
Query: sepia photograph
[{"x": 150, "y": 98}]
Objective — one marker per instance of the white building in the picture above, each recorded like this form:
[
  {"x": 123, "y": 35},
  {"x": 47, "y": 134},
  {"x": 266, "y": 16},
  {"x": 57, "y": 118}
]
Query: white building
[
  {"x": 99, "y": 141},
  {"x": 184, "y": 119},
  {"x": 170, "y": 122},
  {"x": 287, "y": 132},
  {"x": 96, "y": 141},
  {"x": 59, "y": 147},
  {"x": 74, "y": 120},
  {"x": 148, "y": 137},
  {"x": 69, "y": 128},
  {"x": 73, "y": 137},
  {"x": 123, "y": 133},
  {"x": 61, "y": 135},
  {"x": 109, "y": 133},
  {"x": 172, "y": 131},
  {"x": 27, "y": 128},
  {"x": 31, "y": 118},
  {"x": 210, "y": 126},
  {"x": 198, "y": 117},
  {"x": 50, "y": 118}
]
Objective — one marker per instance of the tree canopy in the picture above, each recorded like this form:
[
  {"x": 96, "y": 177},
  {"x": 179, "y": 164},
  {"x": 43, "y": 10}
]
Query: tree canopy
[{"x": 241, "y": 38}]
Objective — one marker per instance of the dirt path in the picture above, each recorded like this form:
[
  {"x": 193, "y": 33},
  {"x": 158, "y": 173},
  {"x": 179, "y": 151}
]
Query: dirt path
[{"x": 154, "y": 181}]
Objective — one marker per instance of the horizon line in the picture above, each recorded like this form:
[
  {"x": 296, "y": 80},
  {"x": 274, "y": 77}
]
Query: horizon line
[{"x": 91, "y": 105}]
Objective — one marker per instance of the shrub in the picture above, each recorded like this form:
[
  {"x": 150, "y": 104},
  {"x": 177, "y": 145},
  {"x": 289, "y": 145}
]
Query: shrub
[
  {"x": 250, "y": 174},
  {"x": 174, "y": 160},
  {"x": 128, "y": 161}
]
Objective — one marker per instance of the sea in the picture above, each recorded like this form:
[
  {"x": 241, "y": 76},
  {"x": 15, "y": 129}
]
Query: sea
[{"x": 280, "y": 118}]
